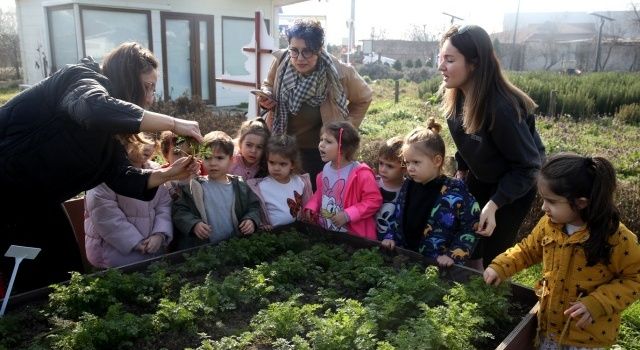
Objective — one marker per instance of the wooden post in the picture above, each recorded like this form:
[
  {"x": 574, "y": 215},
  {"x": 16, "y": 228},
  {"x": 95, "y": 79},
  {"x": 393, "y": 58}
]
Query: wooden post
[
  {"x": 397, "y": 90},
  {"x": 553, "y": 97}
]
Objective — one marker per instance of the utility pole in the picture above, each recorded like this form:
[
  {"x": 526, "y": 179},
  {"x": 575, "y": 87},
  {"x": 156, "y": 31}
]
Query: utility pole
[
  {"x": 352, "y": 30},
  {"x": 598, "y": 48},
  {"x": 513, "y": 41},
  {"x": 453, "y": 18}
]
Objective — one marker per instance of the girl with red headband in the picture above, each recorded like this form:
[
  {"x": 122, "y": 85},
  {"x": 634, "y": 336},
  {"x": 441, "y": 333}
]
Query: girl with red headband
[{"x": 347, "y": 196}]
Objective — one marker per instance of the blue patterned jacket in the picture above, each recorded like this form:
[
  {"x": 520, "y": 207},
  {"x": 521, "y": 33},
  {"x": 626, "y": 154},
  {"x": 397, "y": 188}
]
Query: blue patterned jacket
[{"x": 451, "y": 225}]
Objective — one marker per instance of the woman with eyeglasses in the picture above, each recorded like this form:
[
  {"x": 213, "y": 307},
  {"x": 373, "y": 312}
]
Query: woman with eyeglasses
[
  {"x": 309, "y": 88},
  {"x": 493, "y": 126},
  {"x": 58, "y": 138}
]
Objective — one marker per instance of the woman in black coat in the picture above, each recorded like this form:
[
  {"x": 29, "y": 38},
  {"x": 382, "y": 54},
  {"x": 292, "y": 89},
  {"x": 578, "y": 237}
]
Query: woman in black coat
[
  {"x": 492, "y": 125},
  {"x": 57, "y": 139}
]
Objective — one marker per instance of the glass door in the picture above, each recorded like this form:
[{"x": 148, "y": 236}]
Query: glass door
[{"x": 188, "y": 56}]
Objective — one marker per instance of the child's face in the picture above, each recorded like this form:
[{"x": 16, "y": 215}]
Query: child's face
[
  {"x": 138, "y": 156},
  {"x": 556, "y": 207},
  {"x": 251, "y": 148},
  {"x": 217, "y": 165},
  {"x": 279, "y": 168},
  {"x": 421, "y": 167},
  {"x": 390, "y": 171},
  {"x": 328, "y": 148}
]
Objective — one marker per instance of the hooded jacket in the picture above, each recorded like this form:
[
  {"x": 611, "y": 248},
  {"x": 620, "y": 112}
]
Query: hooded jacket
[
  {"x": 189, "y": 209},
  {"x": 116, "y": 224},
  {"x": 362, "y": 199},
  {"x": 605, "y": 289}
]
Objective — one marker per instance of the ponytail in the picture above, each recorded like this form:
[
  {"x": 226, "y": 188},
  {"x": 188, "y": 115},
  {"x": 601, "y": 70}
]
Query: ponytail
[{"x": 573, "y": 177}]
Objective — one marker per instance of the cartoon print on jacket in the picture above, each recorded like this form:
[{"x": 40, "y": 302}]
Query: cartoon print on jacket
[
  {"x": 385, "y": 216},
  {"x": 331, "y": 203}
]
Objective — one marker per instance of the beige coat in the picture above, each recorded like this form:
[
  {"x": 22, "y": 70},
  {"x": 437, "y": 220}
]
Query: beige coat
[{"x": 356, "y": 89}]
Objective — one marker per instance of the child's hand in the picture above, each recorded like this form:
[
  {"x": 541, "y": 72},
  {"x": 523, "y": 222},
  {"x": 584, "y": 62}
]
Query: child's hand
[
  {"x": 153, "y": 243},
  {"x": 202, "y": 230},
  {"x": 340, "y": 219},
  {"x": 267, "y": 227},
  {"x": 444, "y": 261},
  {"x": 388, "y": 244},
  {"x": 577, "y": 308},
  {"x": 491, "y": 277},
  {"x": 247, "y": 227},
  {"x": 307, "y": 216}
]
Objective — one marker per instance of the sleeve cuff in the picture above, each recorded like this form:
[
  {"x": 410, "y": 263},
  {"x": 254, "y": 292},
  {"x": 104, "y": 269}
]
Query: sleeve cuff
[{"x": 595, "y": 308}]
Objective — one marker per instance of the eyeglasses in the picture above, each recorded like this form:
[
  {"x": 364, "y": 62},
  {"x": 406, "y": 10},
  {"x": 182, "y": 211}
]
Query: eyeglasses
[{"x": 306, "y": 53}]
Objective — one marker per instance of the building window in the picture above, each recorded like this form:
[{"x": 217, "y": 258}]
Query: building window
[
  {"x": 62, "y": 36},
  {"x": 237, "y": 32},
  {"x": 104, "y": 29}
]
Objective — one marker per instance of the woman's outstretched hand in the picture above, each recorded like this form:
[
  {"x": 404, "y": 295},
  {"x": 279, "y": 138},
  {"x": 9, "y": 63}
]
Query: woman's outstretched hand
[
  {"x": 189, "y": 128},
  {"x": 183, "y": 168}
]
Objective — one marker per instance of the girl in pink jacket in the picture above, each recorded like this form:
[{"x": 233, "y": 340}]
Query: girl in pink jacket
[
  {"x": 121, "y": 230},
  {"x": 347, "y": 195}
]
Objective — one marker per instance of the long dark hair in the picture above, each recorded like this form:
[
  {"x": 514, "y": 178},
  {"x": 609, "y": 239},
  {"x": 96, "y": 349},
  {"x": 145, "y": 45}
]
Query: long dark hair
[
  {"x": 573, "y": 176},
  {"x": 487, "y": 81},
  {"x": 123, "y": 66}
]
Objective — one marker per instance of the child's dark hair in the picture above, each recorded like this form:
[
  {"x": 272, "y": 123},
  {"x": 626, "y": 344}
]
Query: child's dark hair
[
  {"x": 391, "y": 149},
  {"x": 219, "y": 140},
  {"x": 286, "y": 147},
  {"x": 346, "y": 135},
  {"x": 573, "y": 176},
  {"x": 427, "y": 139},
  {"x": 256, "y": 126}
]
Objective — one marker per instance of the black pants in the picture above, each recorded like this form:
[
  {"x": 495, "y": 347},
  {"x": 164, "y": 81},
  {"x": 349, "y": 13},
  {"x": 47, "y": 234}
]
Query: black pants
[
  {"x": 311, "y": 163},
  {"x": 509, "y": 217},
  {"x": 44, "y": 226}
]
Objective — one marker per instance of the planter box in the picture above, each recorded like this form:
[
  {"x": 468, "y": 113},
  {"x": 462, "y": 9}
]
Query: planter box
[{"x": 521, "y": 337}]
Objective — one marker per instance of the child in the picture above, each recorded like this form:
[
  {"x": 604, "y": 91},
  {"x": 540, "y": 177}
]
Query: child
[
  {"x": 249, "y": 162},
  {"x": 435, "y": 214},
  {"x": 121, "y": 230},
  {"x": 216, "y": 207},
  {"x": 347, "y": 196},
  {"x": 590, "y": 260},
  {"x": 391, "y": 173},
  {"x": 283, "y": 193}
]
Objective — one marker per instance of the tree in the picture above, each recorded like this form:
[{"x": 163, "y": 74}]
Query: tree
[
  {"x": 397, "y": 65},
  {"x": 409, "y": 63},
  {"x": 418, "y": 63},
  {"x": 9, "y": 42}
]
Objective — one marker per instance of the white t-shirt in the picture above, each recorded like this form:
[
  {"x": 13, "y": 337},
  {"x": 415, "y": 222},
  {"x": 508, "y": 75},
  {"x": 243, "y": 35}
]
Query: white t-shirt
[{"x": 282, "y": 202}]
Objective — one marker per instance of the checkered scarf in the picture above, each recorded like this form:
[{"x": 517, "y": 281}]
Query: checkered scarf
[{"x": 295, "y": 89}]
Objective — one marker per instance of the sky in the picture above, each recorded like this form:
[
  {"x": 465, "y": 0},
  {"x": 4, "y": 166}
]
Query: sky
[
  {"x": 7, "y": 5},
  {"x": 395, "y": 18}
]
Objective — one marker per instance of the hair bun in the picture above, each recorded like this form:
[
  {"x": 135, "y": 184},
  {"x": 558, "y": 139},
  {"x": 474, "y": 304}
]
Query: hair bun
[{"x": 433, "y": 125}]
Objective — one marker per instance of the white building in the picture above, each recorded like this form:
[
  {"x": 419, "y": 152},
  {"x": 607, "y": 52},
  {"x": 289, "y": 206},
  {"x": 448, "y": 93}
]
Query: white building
[{"x": 195, "y": 41}]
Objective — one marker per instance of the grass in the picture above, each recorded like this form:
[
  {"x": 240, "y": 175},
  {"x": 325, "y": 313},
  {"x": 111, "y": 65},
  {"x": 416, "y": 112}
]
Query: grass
[{"x": 7, "y": 93}]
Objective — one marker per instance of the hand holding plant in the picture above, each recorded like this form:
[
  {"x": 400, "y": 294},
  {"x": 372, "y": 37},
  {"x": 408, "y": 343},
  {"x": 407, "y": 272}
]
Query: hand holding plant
[
  {"x": 491, "y": 277},
  {"x": 389, "y": 244},
  {"x": 340, "y": 219}
]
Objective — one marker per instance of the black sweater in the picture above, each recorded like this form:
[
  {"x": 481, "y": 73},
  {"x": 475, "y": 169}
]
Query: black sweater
[
  {"x": 509, "y": 154},
  {"x": 56, "y": 138}
]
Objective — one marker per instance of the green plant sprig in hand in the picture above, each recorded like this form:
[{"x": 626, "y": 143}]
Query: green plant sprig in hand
[{"x": 190, "y": 147}]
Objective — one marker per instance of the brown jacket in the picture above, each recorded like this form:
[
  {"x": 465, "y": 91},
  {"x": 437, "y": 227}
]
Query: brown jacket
[
  {"x": 357, "y": 91},
  {"x": 606, "y": 289}
]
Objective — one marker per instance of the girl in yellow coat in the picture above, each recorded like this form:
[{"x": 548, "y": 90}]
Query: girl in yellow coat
[{"x": 590, "y": 260}]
